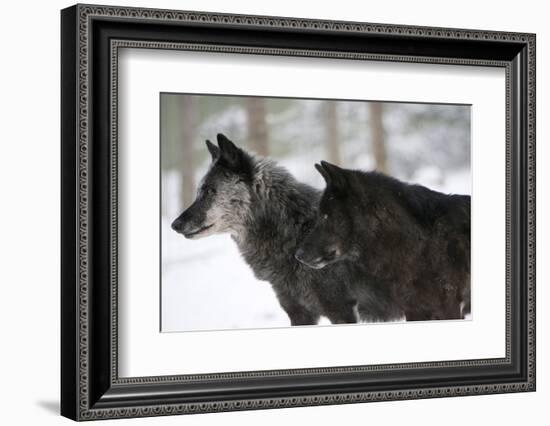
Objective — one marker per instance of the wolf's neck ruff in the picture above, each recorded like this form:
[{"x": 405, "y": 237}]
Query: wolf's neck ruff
[{"x": 279, "y": 208}]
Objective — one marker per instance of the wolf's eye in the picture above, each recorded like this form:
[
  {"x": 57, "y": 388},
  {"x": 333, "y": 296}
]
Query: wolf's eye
[{"x": 210, "y": 191}]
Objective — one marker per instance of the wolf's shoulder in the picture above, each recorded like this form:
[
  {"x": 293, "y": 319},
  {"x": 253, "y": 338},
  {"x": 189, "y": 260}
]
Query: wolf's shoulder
[{"x": 423, "y": 203}]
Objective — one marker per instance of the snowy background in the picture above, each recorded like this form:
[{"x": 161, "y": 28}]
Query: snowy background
[{"x": 205, "y": 283}]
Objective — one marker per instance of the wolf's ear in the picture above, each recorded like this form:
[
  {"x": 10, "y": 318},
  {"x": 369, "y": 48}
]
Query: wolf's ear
[
  {"x": 335, "y": 175},
  {"x": 213, "y": 149},
  {"x": 228, "y": 151},
  {"x": 232, "y": 156},
  {"x": 225, "y": 144},
  {"x": 323, "y": 173}
]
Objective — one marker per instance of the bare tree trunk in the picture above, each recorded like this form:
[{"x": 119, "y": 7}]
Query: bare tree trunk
[
  {"x": 377, "y": 136},
  {"x": 257, "y": 126},
  {"x": 332, "y": 132},
  {"x": 187, "y": 132}
]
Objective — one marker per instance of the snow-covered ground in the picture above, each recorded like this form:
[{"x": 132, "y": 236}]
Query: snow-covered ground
[{"x": 209, "y": 286}]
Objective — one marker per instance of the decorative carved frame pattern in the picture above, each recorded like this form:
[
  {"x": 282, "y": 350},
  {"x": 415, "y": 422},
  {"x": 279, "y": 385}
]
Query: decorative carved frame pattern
[{"x": 85, "y": 13}]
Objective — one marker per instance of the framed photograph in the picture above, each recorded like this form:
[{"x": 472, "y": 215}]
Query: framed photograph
[{"x": 263, "y": 212}]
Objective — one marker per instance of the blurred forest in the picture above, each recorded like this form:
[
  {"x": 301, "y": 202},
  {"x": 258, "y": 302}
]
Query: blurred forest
[
  {"x": 421, "y": 143},
  {"x": 408, "y": 141}
]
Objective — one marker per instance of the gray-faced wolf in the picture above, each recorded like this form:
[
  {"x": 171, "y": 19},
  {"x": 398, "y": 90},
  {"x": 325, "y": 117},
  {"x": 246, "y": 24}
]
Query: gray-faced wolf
[
  {"x": 411, "y": 240},
  {"x": 267, "y": 212}
]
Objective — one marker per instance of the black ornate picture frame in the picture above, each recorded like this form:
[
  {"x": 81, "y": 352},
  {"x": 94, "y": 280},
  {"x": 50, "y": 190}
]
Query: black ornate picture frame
[{"x": 90, "y": 385}]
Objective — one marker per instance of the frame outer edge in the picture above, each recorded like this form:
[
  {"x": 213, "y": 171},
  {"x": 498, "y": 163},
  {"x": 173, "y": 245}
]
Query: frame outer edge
[
  {"x": 69, "y": 192},
  {"x": 82, "y": 136},
  {"x": 531, "y": 213},
  {"x": 83, "y": 12}
]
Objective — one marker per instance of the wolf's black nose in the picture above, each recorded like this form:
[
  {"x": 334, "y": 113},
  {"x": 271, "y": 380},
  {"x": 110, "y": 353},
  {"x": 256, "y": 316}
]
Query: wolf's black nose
[{"x": 176, "y": 225}]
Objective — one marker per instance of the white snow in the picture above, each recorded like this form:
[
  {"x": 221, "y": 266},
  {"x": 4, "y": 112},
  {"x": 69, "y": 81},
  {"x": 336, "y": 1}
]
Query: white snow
[{"x": 209, "y": 286}]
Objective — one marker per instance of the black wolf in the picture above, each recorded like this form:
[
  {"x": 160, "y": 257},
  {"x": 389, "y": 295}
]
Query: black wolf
[
  {"x": 408, "y": 239},
  {"x": 267, "y": 212}
]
